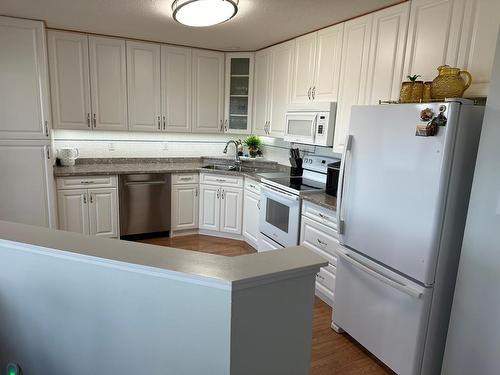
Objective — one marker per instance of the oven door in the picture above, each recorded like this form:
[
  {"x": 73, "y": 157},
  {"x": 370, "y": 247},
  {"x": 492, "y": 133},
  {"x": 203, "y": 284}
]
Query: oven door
[
  {"x": 280, "y": 216},
  {"x": 301, "y": 127}
]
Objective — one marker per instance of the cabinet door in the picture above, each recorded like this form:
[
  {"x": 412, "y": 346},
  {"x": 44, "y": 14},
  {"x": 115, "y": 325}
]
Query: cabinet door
[
  {"x": 262, "y": 90},
  {"x": 209, "y": 207},
  {"x": 185, "y": 207},
  {"x": 108, "y": 78},
  {"x": 103, "y": 212},
  {"x": 176, "y": 88},
  {"x": 69, "y": 79},
  {"x": 430, "y": 43},
  {"x": 143, "y": 86},
  {"x": 327, "y": 64},
  {"x": 239, "y": 93},
  {"x": 73, "y": 210},
  {"x": 208, "y": 91},
  {"x": 385, "y": 66},
  {"x": 27, "y": 183},
  {"x": 231, "y": 215},
  {"x": 281, "y": 86},
  {"x": 24, "y": 93},
  {"x": 251, "y": 213},
  {"x": 303, "y": 72},
  {"x": 353, "y": 77}
]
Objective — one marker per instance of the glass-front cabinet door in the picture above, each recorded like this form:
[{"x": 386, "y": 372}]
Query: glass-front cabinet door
[{"x": 239, "y": 91}]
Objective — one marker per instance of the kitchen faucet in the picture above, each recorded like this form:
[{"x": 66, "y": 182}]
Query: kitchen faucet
[{"x": 237, "y": 160}]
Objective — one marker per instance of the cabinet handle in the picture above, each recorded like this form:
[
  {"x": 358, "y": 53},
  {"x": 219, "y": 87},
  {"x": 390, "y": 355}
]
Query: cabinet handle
[
  {"x": 225, "y": 125},
  {"x": 318, "y": 276},
  {"x": 196, "y": 193},
  {"x": 220, "y": 126},
  {"x": 164, "y": 122},
  {"x": 324, "y": 217},
  {"x": 220, "y": 180},
  {"x": 321, "y": 242},
  {"x": 85, "y": 198},
  {"x": 314, "y": 92},
  {"x": 48, "y": 153},
  {"x": 309, "y": 93},
  {"x": 159, "y": 125},
  {"x": 258, "y": 205},
  {"x": 218, "y": 193},
  {"x": 222, "y": 194},
  {"x": 86, "y": 182},
  {"x": 91, "y": 198},
  {"x": 46, "y": 127},
  {"x": 88, "y": 120},
  {"x": 95, "y": 120}
]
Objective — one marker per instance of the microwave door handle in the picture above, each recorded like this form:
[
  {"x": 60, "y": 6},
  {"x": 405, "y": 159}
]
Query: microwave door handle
[
  {"x": 340, "y": 191},
  {"x": 313, "y": 127}
]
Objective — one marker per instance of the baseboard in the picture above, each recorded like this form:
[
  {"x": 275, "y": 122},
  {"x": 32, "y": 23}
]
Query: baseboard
[
  {"x": 220, "y": 234},
  {"x": 185, "y": 232}
]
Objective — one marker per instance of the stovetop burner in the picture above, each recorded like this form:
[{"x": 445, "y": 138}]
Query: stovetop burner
[{"x": 298, "y": 183}]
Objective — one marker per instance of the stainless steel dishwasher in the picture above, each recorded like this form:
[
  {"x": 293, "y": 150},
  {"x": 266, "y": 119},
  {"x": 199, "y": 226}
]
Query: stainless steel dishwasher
[{"x": 144, "y": 203}]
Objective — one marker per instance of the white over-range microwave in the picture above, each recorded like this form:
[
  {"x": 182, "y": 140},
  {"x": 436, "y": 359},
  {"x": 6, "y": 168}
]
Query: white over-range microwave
[{"x": 311, "y": 123}]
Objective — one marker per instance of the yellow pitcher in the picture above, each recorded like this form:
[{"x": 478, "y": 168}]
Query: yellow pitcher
[{"x": 449, "y": 83}]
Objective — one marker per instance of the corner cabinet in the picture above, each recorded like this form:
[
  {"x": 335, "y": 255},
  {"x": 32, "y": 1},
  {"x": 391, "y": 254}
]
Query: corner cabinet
[
  {"x": 317, "y": 65},
  {"x": 87, "y": 210},
  {"x": 24, "y": 91},
  {"x": 208, "y": 91},
  {"x": 239, "y": 93},
  {"x": 221, "y": 204}
]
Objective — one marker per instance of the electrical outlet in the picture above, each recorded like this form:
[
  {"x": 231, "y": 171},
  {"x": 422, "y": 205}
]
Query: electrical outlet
[
  {"x": 111, "y": 147},
  {"x": 165, "y": 146}
]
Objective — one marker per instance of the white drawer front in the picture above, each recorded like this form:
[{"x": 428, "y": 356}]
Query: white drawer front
[
  {"x": 220, "y": 179},
  {"x": 320, "y": 214},
  {"x": 78, "y": 182},
  {"x": 319, "y": 238},
  {"x": 326, "y": 277},
  {"x": 185, "y": 178},
  {"x": 252, "y": 185}
]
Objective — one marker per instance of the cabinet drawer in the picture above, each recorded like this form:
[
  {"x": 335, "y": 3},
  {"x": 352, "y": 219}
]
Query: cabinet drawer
[
  {"x": 220, "y": 179},
  {"x": 320, "y": 214},
  {"x": 252, "y": 185},
  {"x": 319, "y": 238},
  {"x": 185, "y": 178},
  {"x": 326, "y": 277},
  {"x": 79, "y": 182}
]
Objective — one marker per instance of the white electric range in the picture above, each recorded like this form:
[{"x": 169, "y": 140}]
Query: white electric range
[{"x": 281, "y": 202}]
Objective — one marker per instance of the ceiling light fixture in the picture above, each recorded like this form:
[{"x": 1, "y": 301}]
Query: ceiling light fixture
[{"x": 199, "y": 13}]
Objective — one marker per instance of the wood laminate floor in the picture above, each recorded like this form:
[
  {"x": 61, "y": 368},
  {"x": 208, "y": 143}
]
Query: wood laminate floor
[{"x": 332, "y": 354}]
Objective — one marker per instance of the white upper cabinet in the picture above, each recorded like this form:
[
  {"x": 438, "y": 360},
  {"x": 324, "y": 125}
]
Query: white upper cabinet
[
  {"x": 143, "y": 86},
  {"x": 239, "y": 93},
  {"x": 464, "y": 36},
  {"x": 353, "y": 76},
  {"x": 24, "y": 92},
  {"x": 327, "y": 64},
  {"x": 385, "y": 65},
  {"x": 108, "y": 78},
  {"x": 69, "y": 79},
  {"x": 208, "y": 91},
  {"x": 303, "y": 76},
  {"x": 317, "y": 65},
  {"x": 176, "y": 88},
  {"x": 262, "y": 91},
  {"x": 281, "y": 85}
]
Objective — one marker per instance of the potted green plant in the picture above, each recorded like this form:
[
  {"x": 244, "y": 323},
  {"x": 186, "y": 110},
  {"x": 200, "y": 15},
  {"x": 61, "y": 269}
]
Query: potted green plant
[{"x": 253, "y": 142}]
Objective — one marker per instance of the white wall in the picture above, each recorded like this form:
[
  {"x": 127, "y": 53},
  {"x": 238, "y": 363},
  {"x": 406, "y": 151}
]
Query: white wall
[
  {"x": 473, "y": 343},
  {"x": 102, "y": 144}
]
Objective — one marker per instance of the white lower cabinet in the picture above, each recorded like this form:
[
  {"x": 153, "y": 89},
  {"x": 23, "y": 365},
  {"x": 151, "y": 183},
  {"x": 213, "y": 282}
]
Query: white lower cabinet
[
  {"x": 221, "y": 207},
  {"x": 251, "y": 212},
  {"x": 88, "y": 211},
  {"x": 185, "y": 207},
  {"x": 321, "y": 237}
]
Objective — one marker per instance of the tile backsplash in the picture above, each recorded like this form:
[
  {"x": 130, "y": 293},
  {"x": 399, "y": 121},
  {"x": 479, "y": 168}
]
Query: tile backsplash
[{"x": 104, "y": 144}]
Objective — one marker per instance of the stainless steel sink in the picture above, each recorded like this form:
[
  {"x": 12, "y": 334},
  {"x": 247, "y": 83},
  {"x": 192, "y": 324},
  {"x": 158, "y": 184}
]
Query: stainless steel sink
[{"x": 221, "y": 167}]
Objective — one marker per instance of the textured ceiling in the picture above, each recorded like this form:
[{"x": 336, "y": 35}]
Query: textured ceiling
[{"x": 259, "y": 23}]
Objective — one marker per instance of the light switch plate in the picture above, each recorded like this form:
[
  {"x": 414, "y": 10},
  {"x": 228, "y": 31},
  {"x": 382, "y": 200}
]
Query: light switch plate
[
  {"x": 111, "y": 147},
  {"x": 165, "y": 146}
]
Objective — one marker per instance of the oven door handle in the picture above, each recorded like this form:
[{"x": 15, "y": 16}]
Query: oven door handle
[{"x": 280, "y": 192}]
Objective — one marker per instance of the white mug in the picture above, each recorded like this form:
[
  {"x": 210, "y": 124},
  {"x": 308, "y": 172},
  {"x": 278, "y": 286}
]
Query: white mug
[{"x": 67, "y": 153}]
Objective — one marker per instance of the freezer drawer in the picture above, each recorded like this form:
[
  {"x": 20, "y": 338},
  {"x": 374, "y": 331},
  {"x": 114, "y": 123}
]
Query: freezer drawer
[{"x": 383, "y": 311}]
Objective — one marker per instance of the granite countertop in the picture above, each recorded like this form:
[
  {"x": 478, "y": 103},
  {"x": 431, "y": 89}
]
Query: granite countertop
[
  {"x": 322, "y": 199},
  {"x": 95, "y": 167},
  {"x": 232, "y": 271}
]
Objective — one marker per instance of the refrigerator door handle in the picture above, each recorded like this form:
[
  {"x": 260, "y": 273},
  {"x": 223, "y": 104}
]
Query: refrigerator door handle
[
  {"x": 389, "y": 281},
  {"x": 340, "y": 192}
]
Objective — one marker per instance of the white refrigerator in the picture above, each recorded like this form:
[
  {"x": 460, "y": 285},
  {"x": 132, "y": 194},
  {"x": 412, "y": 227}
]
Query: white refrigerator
[{"x": 405, "y": 183}]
